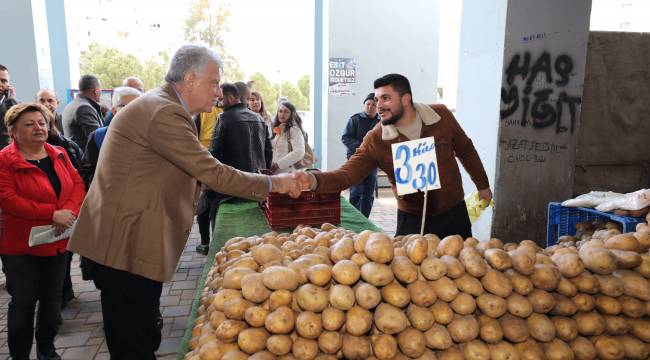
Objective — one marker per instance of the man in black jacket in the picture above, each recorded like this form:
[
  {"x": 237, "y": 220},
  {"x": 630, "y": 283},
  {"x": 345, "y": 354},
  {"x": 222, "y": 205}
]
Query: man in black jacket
[
  {"x": 7, "y": 100},
  {"x": 83, "y": 115},
  {"x": 362, "y": 195},
  {"x": 240, "y": 140}
]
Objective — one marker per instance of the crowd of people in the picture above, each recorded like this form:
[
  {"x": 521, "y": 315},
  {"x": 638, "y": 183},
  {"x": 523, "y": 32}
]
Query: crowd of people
[{"x": 121, "y": 187}]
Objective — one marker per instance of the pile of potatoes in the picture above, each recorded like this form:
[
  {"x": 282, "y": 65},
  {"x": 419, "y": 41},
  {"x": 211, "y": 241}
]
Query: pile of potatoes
[{"x": 330, "y": 293}]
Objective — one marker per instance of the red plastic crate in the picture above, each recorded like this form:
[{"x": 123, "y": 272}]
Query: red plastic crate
[{"x": 281, "y": 211}]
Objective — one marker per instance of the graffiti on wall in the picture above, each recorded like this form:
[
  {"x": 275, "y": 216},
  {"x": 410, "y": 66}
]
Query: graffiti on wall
[
  {"x": 530, "y": 150},
  {"x": 542, "y": 96}
]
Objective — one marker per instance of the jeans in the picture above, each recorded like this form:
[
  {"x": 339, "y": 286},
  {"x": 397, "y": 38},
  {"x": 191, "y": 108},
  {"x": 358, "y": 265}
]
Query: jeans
[
  {"x": 362, "y": 195},
  {"x": 454, "y": 221},
  {"x": 31, "y": 279},
  {"x": 130, "y": 306}
]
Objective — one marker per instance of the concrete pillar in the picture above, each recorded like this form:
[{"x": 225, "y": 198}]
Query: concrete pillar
[
  {"x": 385, "y": 36},
  {"x": 58, "y": 37},
  {"x": 541, "y": 92}
]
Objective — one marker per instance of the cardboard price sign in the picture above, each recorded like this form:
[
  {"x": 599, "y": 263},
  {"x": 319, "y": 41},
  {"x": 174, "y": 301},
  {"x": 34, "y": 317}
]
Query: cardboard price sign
[{"x": 416, "y": 166}]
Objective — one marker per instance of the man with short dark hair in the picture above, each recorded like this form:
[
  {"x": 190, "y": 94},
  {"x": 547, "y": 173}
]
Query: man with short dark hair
[
  {"x": 7, "y": 100},
  {"x": 403, "y": 120},
  {"x": 244, "y": 92},
  {"x": 83, "y": 115},
  {"x": 362, "y": 195},
  {"x": 50, "y": 100}
]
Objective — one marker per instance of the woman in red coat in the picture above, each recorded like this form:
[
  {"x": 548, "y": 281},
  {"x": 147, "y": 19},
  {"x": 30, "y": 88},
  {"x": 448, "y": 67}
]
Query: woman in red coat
[{"x": 38, "y": 186}]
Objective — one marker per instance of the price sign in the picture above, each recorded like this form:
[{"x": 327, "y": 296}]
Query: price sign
[{"x": 416, "y": 166}]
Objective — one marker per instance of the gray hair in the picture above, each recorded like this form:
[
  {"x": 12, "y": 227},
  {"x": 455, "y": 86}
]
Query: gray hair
[
  {"x": 190, "y": 58},
  {"x": 121, "y": 91}
]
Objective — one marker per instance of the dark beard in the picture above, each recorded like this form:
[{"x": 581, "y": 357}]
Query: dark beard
[{"x": 393, "y": 119}]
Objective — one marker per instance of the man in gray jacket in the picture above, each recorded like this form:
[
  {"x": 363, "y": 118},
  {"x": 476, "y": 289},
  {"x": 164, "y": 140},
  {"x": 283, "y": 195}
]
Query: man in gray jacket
[{"x": 83, "y": 115}]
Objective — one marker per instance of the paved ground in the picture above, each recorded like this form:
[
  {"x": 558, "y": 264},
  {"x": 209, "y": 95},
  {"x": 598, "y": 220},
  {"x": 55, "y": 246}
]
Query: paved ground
[{"x": 81, "y": 335}]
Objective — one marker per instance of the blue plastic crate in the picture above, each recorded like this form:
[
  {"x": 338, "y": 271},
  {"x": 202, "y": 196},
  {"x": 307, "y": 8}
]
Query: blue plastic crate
[{"x": 562, "y": 220}]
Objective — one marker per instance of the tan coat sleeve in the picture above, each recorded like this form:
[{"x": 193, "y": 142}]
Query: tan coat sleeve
[{"x": 172, "y": 135}]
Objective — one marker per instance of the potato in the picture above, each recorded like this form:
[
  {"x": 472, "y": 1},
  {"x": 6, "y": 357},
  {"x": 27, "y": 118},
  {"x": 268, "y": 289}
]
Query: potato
[
  {"x": 358, "y": 322},
  {"x": 631, "y": 307},
  {"x": 395, "y": 294},
  {"x": 445, "y": 289},
  {"x": 280, "y": 278},
  {"x": 520, "y": 284},
  {"x": 360, "y": 259},
  {"x": 529, "y": 350},
  {"x": 229, "y": 330},
  {"x": 330, "y": 342},
  {"x": 471, "y": 242},
  {"x": 342, "y": 250},
  {"x": 411, "y": 342},
  {"x": 442, "y": 312},
  {"x": 235, "y": 355},
  {"x": 608, "y": 348},
  {"x": 518, "y": 305},
  {"x": 584, "y": 302},
  {"x": 281, "y": 321},
  {"x": 514, "y": 328},
  {"x": 308, "y": 325},
  {"x": 463, "y": 329},
  {"x": 563, "y": 306},
  {"x": 280, "y": 298},
  {"x": 568, "y": 262},
  {"x": 586, "y": 283},
  {"x": 644, "y": 267},
  {"x": 236, "y": 308},
  {"x": 421, "y": 293},
  {"x": 376, "y": 274},
  {"x": 565, "y": 328},
  {"x": 367, "y": 296},
  {"x": 379, "y": 248},
  {"x": 498, "y": 259},
  {"x": 558, "y": 350},
  {"x": 597, "y": 259},
  {"x": 252, "y": 340},
  {"x": 266, "y": 253},
  {"x": 390, "y": 319},
  {"x": 332, "y": 319},
  {"x": 450, "y": 245},
  {"x": 540, "y": 327},
  {"x": 475, "y": 350},
  {"x": 523, "y": 260},
  {"x": 626, "y": 259},
  {"x": 503, "y": 351},
  {"x": 616, "y": 325},
  {"x": 626, "y": 242},
  {"x": 432, "y": 268},
  {"x": 319, "y": 274},
  {"x": 404, "y": 269},
  {"x": 455, "y": 268},
  {"x": 545, "y": 277},
  {"x": 640, "y": 328},
  {"x": 607, "y": 305},
  {"x": 589, "y": 323},
  {"x": 341, "y": 297},
  {"x": 634, "y": 348},
  {"x": 583, "y": 349},
  {"x": 497, "y": 283},
  {"x": 232, "y": 277},
  {"x": 253, "y": 288},
  {"x": 541, "y": 301},
  {"x": 469, "y": 284},
  {"x": 279, "y": 344},
  {"x": 304, "y": 349},
  {"x": 222, "y": 296},
  {"x": 384, "y": 347},
  {"x": 489, "y": 329},
  {"x": 346, "y": 272},
  {"x": 493, "y": 243},
  {"x": 438, "y": 338},
  {"x": 463, "y": 304},
  {"x": 360, "y": 240},
  {"x": 610, "y": 285},
  {"x": 417, "y": 249},
  {"x": 217, "y": 317},
  {"x": 420, "y": 318},
  {"x": 312, "y": 298},
  {"x": 473, "y": 262},
  {"x": 634, "y": 285},
  {"x": 491, "y": 305},
  {"x": 356, "y": 347}
]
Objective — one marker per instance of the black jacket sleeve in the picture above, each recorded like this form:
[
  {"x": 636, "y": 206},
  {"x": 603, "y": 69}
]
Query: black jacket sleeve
[{"x": 89, "y": 161}]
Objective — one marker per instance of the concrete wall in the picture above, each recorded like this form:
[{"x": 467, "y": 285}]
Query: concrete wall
[
  {"x": 58, "y": 37},
  {"x": 542, "y": 83},
  {"x": 482, "y": 34},
  {"x": 612, "y": 152},
  {"x": 384, "y": 36}
]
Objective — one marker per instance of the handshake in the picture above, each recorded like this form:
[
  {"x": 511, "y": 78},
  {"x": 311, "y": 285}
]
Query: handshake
[{"x": 294, "y": 183}]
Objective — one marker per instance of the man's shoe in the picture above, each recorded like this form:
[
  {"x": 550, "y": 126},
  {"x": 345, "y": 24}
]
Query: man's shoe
[
  {"x": 202, "y": 249},
  {"x": 50, "y": 355}
]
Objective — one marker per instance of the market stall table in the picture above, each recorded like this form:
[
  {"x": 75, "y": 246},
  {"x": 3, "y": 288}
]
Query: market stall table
[{"x": 246, "y": 219}]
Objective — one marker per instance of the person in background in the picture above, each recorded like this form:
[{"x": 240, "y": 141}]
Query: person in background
[
  {"x": 244, "y": 92},
  {"x": 7, "y": 100},
  {"x": 135, "y": 221},
  {"x": 50, "y": 100},
  {"x": 362, "y": 195},
  {"x": 83, "y": 115},
  {"x": 256, "y": 104},
  {"x": 403, "y": 120},
  {"x": 288, "y": 139},
  {"x": 122, "y": 96},
  {"x": 132, "y": 82},
  {"x": 38, "y": 186}
]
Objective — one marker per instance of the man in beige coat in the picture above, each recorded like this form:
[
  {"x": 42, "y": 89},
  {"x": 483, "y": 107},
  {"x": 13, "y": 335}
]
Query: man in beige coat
[{"x": 138, "y": 213}]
